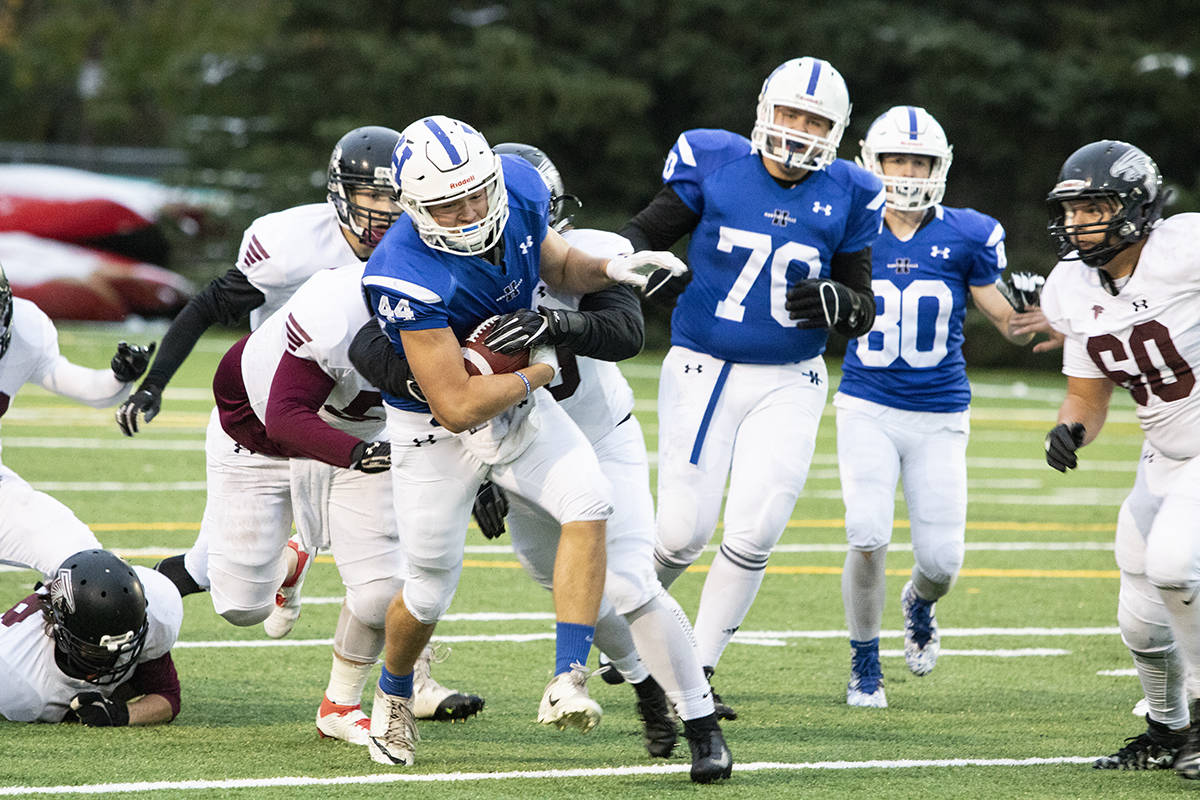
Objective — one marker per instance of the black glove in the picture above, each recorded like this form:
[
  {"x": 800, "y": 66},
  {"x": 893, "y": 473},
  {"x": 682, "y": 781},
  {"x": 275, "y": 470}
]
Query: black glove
[
  {"x": 1022, "y": 290},
  {"x": 491, "y": 506},
  {"x": 371, "y": 457},
  {"x": 819, "y": 303},
  {"x": 146, "y": 400},
  {"x": 1061, "y": 443},
  {"x": 131, "y": 361},
  {"x": 97, "y": 711},
  {"x": 517, "y": 331}
]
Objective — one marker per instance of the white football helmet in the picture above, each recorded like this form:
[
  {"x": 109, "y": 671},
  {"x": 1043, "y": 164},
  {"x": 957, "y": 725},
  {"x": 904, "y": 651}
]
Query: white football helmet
[
  {"x": 813, "y": 86},
  {"x": 913, "y": 131},
  {"x": 440, "y": 160}
]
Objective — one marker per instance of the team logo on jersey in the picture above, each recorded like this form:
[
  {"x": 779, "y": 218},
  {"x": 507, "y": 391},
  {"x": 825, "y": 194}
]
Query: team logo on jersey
[
  {"x": 525, "y": 245},
  {"x": 822, "y": 208},
  {"x": 1141, "y": 305},
  {"x": 255, "y": 252},
  {"x": 512, "y": 291},
  {"x": 939, "y": 252},
  {"x": 62, "y": 594},
  {"x": 1097, "y": 311},
  {"x": 903, "y": 266},
  {"x": 780, "y": 217}
]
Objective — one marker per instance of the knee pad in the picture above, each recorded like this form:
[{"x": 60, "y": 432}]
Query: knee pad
[
  {"x": 369, "y": 601},
  {"x": 428, "y": 595},
  {"x": 1142, "y": 617},
  {"x": 356, "y": 641},
  {"x": 940, "y": 563},
  {"x": 244, "y": 618}
]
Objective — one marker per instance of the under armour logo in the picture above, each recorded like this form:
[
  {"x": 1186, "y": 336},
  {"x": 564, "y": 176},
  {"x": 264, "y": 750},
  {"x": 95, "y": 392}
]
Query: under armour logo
[
  {"x": 813, "y": 376},
  {"x": 902, "y": 266},
  {"x": 511, "y": 291},
  {"x": 943, "y": 252},
  {"x": 525, "y": 245},
  {"x": 540, "y": 291},
  {"x": 1141, "y": 305},
  {"x": 689, "y": 367},
  {"x": 417, "y": 442},
  {"x": 1097, "y": 311},
  {"x": 825, "y": 209},
  {"x": 780, "y": 217},
  {"x": 237, "y": 448}
]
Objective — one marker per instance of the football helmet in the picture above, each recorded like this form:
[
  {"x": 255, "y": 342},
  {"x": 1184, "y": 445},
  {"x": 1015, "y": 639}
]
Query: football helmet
[
  {"x": 1115, "y": 171},
  {"x": 908, "y": 130},
  {"x": 6, "y": 312},
  {"x": 813, "y": 86},
  {"x": 440, "y": 160},
  {"x": 559, "y": 218},
  {"x": 96, "y": 608},
  {"x": 362, "y": 159}
]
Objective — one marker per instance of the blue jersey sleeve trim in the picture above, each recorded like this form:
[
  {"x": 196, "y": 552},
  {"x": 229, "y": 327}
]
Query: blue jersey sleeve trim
[
  {"x": 401, "y": 286},
  {"x": 708, "y": 412}
]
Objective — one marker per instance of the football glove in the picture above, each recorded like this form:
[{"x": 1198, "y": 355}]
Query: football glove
[
  {"x": 1022, "y": 290},
  {"x": 146, "y": 401},
  {"x": 518, "y": 331},
  {"x": 131, "y": 361},
  {"x": 638, "y": 269},
  {"x": 819, "y": 303},
  {"x": 371, "y": 457},
  {"x": 491, "y": 507},
  {"x": 97, "y": 711},
  {"x": 1061, "y": 443}
]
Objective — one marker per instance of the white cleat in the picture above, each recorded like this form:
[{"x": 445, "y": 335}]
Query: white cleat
[
  {"x": 1141, "y": 708},
  {"x": 566, "y": 703},
  {"x": 857, "y": 697},
  {"x": 433, "y": 701},
  {"x": 287, "y": 598},
  {"x": 347, "y": 723},
  {"x": 922, "y": 642},
  {"x": 393, "y": 735}
]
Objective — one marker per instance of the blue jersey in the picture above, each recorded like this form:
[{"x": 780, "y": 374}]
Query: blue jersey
[
  {"x": 912, "y": 356},
  {"x": 754, "y": 239},
  {"x": 412, "y": 287}
]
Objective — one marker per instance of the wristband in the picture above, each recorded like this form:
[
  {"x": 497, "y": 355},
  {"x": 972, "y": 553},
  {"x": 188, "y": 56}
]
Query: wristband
[{"x": 528, "y": 386}]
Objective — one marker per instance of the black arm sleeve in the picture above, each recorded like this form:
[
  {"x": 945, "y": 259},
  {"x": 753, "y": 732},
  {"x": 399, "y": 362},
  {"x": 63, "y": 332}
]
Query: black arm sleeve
[
  {"x": 608, "y": 325},
  {"x": 227, "y": 299},
  {"x": 662, "y": 223},
  {"x": 854, "y": 271},
  {"x": 372, "y": 354}
]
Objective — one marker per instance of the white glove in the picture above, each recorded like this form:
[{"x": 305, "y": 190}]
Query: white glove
[{"x": 635, "y": 269}]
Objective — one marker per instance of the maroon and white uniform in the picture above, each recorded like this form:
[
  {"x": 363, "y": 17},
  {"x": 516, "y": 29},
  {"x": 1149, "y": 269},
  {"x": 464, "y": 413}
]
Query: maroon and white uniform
[
  {"x": 36, "y": 530},
  {"x": 34, "y": 689},
  {"x": 1146, "y": 339},
  {"x": 291, "y": 409}
]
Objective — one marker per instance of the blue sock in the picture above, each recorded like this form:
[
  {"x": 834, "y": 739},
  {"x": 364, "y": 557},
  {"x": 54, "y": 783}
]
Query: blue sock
[
  {"x": 401, "y": 685},
  {"x": 572, "y": 644}
]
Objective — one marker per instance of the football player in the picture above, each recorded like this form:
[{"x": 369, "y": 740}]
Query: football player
[
  {"x": 29, "y": 354},
  {"x": 636, "y": 615},
  {"x": 780, "y": 252},
  {"x": 478, "y": 243},
  {"x": 1126, "y": 294},
  {"x": 902, "y": 405},
  {"x": 92, "y": 645}
]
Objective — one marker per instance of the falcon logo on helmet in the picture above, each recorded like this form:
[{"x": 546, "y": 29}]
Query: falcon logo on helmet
[{"x": 6, "y": 313}]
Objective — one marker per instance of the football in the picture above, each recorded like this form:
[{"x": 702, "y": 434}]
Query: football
[{"x": 481, "y": 360}]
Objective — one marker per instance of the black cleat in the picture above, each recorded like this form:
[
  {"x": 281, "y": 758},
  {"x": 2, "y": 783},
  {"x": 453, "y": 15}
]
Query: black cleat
[
  {"x": 175, "y": 570},
  {"x": 1154, "y": 749},
  {"x": 1187, "y": 759},
  {"x": 711, "y": 759},
  {"x": 659, "y": 730},
  {"x": 457, "y": 706},
  {"x": 723, "y": 711},
  {"x": 608, "y": 673}
]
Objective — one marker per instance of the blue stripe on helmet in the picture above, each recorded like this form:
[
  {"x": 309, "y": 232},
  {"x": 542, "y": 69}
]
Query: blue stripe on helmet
[
  {"x": 812, "y": 79},
  {"x": 399, "y": 156},
  {"x": 444, "y": 140},
  {"x": 912, "y": 123}
]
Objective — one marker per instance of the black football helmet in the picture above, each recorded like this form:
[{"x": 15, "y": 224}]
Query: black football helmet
[
  {"x": 97, "y": 611},
  {"x": 6, "y": 313},
  {"x": 559, "y": 218},
  {"x": 1115, "y": 171},
  {"x": 362, "y": 159}
]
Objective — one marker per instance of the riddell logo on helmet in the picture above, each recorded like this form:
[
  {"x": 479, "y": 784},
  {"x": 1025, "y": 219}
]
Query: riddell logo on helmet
[{"x": 463, "y": 182}]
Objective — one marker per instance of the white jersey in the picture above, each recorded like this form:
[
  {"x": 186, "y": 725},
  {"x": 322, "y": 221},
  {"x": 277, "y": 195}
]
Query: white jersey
[
  {"x": 33, "y": 357},
  {"x": 1146, "y": 338},
  {"x": 282, "y": 250},
  {"x": 594, "y": 393},
  {"x": 34, "y": 689},
  {"x": 318, "y": 323}
]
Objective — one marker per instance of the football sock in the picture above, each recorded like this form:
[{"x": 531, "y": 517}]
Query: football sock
[
  {"x": 927, "y": 588},
  {"x": 667, "y": 569},
  {"x": 1162, "y": 676},
  {"x": 400, "y": 685},
  {"x": 572, "y": 643},
  {"x": 346, "y": 682},
  {"x": 864, "y": 586},
  {"x": 668, "y": 647},
  {"x": 615, "y": 641},
  {"x": 728, "y": 594}
]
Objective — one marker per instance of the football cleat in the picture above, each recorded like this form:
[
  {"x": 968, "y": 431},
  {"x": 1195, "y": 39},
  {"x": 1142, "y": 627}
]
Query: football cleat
[
  {"x": 658, "y": 724},
  {"x": 711, "y": 759},
  {"x": 347, "y": 723},
  {"x": 1154, "y": 749},
  {"x": 393, "y": 734},
  {"x": 608, "y": 673},
  {"x": 922, "y": 642},
  {"x": 1141, "y": 708},
  {"x": 287, "y": 599},
  {"x": 1187, "y": 760},
  {"x": 566, "y": 703},
  {"x": 722, "y": 710},
  {"x": 865, "y": 688},
  {"x": 433, "y": 701}
]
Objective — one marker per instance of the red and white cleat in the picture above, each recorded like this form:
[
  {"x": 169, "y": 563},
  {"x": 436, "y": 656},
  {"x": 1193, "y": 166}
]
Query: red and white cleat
[{"x": 347, "y": 723}]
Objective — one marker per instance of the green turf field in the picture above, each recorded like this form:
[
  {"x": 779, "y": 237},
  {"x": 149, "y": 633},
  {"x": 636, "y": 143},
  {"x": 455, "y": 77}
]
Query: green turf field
[{"x": 1020, "y": 699}]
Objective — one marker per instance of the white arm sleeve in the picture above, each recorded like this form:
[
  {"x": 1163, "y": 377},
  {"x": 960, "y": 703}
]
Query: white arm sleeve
[{"x": 95, "y": 387}]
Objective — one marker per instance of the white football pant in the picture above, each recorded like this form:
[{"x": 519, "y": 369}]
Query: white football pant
[{"x": 37, "y": 531}]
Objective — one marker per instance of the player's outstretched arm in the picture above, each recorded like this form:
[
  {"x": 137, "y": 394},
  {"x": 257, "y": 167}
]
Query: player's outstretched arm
[
  {"x": 570, "y": 269},
  {"x": 1002, "y": 314},
  {"x": 1080, "y": 418},
  {"x": 98, "y": 388}
]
